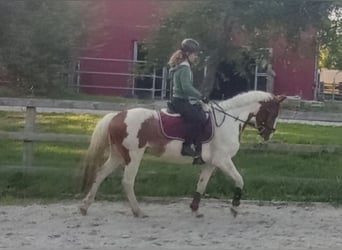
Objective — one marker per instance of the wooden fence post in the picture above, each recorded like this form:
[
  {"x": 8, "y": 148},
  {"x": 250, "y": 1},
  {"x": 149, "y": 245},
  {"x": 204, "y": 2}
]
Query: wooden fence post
[{"x": 30, "y": 120}]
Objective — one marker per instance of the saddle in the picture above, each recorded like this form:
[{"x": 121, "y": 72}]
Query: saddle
[{"x": 173, "y": 126}]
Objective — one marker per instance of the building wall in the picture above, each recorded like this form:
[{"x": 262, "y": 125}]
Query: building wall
[
  {"x": 331, "y": 76},
  {"x": 295, "y": 67},
  {"x": 124, "y": 22},
  {"x": 294, "y": 64},
  {"x": 121, "y": 22}
]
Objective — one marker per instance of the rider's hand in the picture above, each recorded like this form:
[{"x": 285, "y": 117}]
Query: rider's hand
[{"x": 205, "y": 99}]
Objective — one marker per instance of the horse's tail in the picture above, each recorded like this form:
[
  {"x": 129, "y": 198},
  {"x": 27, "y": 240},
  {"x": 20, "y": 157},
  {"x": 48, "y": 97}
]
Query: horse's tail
[{"x": 97, "y": 150}]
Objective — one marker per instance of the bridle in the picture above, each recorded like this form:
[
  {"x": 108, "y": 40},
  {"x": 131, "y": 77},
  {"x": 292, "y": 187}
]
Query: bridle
[{"x": 215, "y": 107}]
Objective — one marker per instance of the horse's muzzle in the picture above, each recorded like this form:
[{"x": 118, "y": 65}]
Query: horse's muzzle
[{"x": 265, "y": 132}]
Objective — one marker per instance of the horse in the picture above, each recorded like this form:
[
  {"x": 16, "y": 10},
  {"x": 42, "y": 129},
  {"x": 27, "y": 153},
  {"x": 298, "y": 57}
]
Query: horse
[{"x": 120, "y": 140}]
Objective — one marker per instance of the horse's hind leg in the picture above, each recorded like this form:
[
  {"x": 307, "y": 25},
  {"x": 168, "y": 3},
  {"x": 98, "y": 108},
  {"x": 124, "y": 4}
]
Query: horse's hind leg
[
  {"x": 130, "y": 173},
  {"x": 106, "y": 169},
  {"x": 201, "y": 186}
]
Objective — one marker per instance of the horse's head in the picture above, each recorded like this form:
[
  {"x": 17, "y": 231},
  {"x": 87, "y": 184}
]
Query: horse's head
[{"x": 267, "y": 115}]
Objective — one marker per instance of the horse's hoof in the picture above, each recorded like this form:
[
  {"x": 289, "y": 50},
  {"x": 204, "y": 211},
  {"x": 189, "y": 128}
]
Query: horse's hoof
[
  {"x": 83, "y": 211},
  {"x": 236, "y": 202},
  {"x": 140, "y": 215},
  {"x": 197, "y": 215},
  {"x": 234, "y": 211}
]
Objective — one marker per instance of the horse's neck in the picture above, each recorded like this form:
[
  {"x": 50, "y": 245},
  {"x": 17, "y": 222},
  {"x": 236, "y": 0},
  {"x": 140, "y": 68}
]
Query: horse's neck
[
  {"x": 245, "y": 103},
  {"x": 242, "y": 113},
  {"x": 229, "y": 131}
]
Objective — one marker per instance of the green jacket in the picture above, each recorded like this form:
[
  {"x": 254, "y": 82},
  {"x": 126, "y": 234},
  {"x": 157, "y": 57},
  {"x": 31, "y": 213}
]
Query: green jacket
[{"x": 182, "y": 79}]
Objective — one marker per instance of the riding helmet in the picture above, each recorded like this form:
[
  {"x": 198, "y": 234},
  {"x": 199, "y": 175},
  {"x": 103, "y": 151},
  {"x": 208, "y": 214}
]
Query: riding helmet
[{"x": 190, "y": 45}]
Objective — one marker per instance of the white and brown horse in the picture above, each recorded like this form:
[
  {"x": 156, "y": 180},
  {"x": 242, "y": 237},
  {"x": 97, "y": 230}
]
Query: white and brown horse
[{"x": 120, "y": 140}]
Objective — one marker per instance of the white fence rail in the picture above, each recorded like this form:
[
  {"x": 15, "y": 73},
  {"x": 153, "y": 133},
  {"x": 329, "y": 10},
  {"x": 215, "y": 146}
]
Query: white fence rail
[{"x": 130, "y": 72}]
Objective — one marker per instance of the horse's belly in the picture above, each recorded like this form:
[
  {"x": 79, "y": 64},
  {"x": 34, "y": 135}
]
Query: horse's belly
[{"x": 171, "y": 151}]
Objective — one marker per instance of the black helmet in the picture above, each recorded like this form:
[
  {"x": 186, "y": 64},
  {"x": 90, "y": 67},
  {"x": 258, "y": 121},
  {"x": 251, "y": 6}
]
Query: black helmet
[{"x": 190, "y": 45}]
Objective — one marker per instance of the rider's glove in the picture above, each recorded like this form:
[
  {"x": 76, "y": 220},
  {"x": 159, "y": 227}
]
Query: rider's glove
[{"x": 205, "y": 99}]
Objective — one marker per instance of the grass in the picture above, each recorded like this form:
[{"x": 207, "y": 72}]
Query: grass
[
  {"x": 267, "y": 175},
  {"x": 84, "y": 124},
  {"x": 328, "y": 106},
  {"x": 301, "y": 134},
  {"x": 50, "y": 122}
]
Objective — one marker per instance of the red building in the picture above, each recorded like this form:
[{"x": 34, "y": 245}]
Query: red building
[
  {"x": 127, "y": 23},
  {"x": 106, "y": 65},
  {"x": 296, "y": 69}
]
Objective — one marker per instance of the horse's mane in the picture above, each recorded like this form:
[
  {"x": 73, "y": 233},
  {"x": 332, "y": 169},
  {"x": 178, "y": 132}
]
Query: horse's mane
[{"x": 245, "y": 99}]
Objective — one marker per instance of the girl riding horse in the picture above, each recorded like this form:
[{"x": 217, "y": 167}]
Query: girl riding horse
[{"x": 184, "y": 95}]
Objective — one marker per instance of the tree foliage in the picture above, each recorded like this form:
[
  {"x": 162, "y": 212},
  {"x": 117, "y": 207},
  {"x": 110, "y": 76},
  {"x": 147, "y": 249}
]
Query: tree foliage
[
  {"x": 217, "y": 24},
  {"x": 331, "y": 43},
  {"x": 38, "y": 40}
]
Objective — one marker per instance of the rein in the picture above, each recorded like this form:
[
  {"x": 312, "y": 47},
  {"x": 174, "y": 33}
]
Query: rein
[{"x": 236, "y": 118}]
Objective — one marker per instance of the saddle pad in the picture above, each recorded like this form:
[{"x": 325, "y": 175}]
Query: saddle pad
[{"x": 172, "y": 127}]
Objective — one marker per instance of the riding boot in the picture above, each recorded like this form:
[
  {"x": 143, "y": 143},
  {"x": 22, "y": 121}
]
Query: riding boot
[
  {"x": 187, "y": 150},
  {"x": 198, "y": 160},
  {"x": 188, "y": 140}
]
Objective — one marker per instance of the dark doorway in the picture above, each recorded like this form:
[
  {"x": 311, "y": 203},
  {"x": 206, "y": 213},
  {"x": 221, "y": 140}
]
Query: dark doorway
[
  {"x": 231, "y": 80},
  {"x": 146, "y": 81}
]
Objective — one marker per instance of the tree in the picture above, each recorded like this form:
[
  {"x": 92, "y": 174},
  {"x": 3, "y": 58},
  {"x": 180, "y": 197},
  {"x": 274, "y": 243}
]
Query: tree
[
  {"x": 228, "y": 29},
  {"x": 38, "y": 41},
  {"x": 331, "y": 43}
]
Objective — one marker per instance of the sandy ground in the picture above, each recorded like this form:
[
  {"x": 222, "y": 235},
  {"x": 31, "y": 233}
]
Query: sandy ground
[{"x": 110, "y": 225}]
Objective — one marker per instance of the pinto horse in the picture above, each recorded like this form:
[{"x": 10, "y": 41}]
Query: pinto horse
[{"x": 120, "y": 140}]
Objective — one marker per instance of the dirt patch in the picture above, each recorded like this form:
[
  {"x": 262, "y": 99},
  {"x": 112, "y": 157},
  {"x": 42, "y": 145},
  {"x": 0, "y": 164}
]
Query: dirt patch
[{"x": 171, "y": 226}]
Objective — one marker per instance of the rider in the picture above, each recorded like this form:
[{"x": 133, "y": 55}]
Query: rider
[{"x": 184, "y": 95}]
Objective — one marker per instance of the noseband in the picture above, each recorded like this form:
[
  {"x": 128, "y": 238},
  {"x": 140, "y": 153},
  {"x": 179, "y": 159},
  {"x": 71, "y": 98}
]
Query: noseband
[{"x": 264, "y": 126}]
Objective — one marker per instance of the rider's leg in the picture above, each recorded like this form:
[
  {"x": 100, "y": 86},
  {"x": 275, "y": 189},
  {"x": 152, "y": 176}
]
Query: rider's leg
[
  {"x": 201, "y": 121},
  {"x": 183, "y": 107},
  {"x": 193, "y": 117},
  {"x": 188, "y": 140}
]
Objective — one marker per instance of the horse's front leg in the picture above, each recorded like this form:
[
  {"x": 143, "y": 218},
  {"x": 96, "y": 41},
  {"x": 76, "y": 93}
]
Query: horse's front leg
[
  {"x": 201, "y": 186},
  {"x": 130, "y": 172},
  {"x": 228, "y": 168}
]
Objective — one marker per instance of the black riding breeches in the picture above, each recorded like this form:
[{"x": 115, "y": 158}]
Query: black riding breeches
[{"x": 194, "y": 118}]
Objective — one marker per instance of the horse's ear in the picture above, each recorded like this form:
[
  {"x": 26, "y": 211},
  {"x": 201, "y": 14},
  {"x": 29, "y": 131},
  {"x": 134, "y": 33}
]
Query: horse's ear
[{"x": 280, "y": 98}]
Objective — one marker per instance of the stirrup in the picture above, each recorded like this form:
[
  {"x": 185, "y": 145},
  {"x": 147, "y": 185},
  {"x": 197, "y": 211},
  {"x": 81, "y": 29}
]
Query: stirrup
[
  {"x": 188, "y": 151},
  {"x": 198, "y": 160}
]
